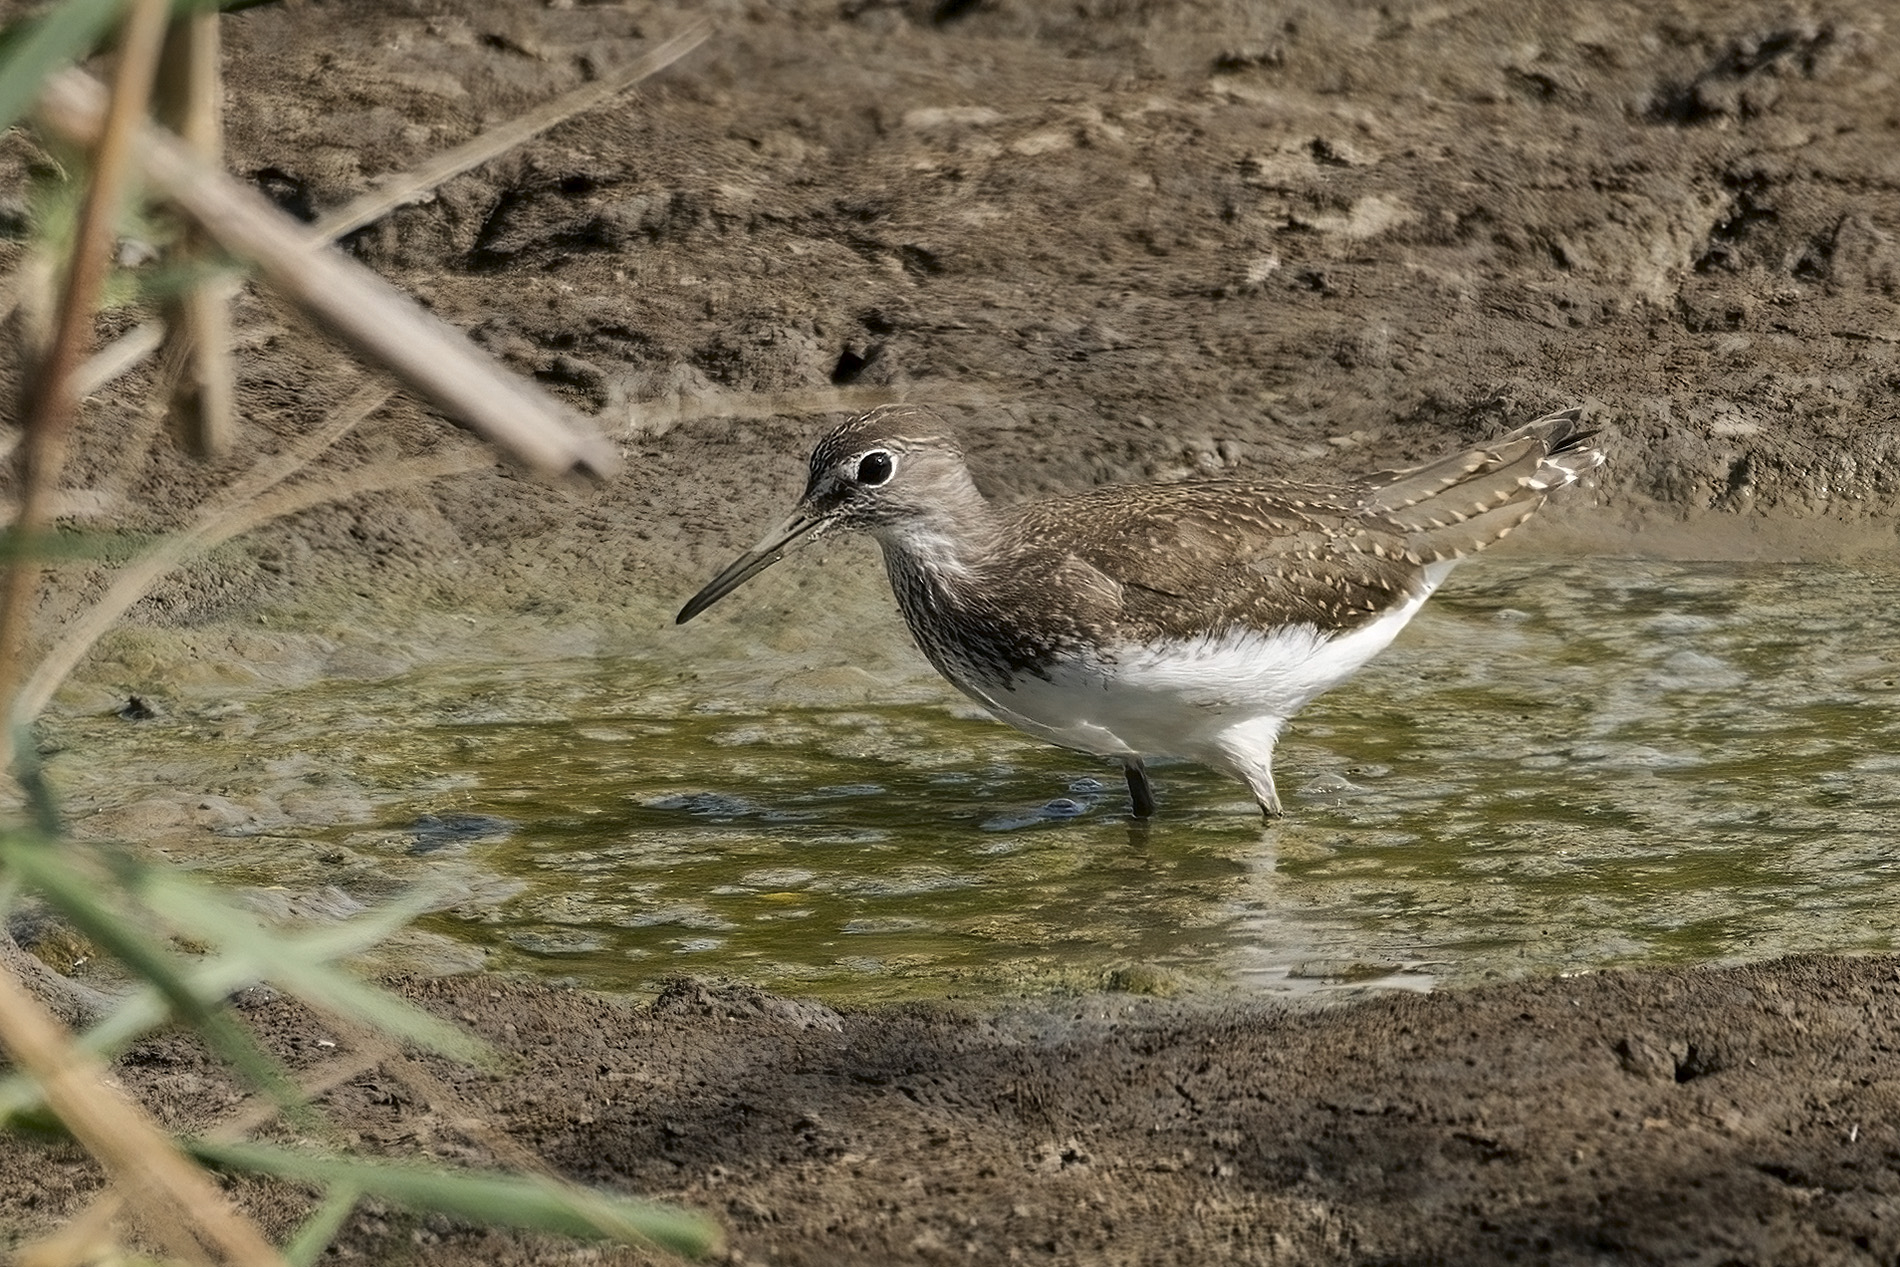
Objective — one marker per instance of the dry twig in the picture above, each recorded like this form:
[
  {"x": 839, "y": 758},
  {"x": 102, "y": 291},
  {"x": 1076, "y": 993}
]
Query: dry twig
[
  {"x": 50, "y": 403},
  {"x": 220, "y": 526},
  {"x": 164, "y": 1187},
  {"x": 377, "y": 322},
  {"x": 199, "y": 370},
  {"x": 408, "y": 186},
  {"x": 79, "y": 1239},
  {"x": 131, "y": 348}
]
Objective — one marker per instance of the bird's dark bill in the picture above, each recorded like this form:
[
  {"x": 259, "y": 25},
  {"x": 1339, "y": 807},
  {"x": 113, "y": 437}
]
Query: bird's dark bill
[{"x": 754, "y": 561}]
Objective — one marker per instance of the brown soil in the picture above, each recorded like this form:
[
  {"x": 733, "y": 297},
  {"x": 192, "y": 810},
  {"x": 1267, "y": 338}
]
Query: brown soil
[
  {"x": 1744, "y": 1116},
  {"x": 1117, "y": 241}
]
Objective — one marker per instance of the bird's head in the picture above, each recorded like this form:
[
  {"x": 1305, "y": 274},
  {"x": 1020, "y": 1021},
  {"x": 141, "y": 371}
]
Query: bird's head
[{"x": 895, "y": 473}]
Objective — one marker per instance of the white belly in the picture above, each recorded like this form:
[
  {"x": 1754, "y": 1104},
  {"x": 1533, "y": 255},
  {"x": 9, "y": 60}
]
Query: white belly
[{"x": 1180, "y": 698}]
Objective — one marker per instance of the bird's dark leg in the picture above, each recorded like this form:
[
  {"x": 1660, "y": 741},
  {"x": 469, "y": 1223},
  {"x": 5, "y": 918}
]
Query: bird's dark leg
[{"x": 1139, "y": 789}]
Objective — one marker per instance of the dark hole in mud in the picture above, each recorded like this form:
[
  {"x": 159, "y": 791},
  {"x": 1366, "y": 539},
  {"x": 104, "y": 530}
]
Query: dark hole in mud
[
  {"x": 1536, "y": 84},
  {"x": 1484, "y": 1149},
  {"x": 1720, "y": 91},
  {"x": 485, "y": 256},
  {"x": 1696, "y": 1063},
  {"x": 1741, "y": 479},
  {"x": 1252, "y": 57},
  {"x": 1753, "y": 54},
  {"x": 948, "y": 11},
  {"x": 572, "y": 372},
  {"x": 862, "y": 210},
  {"x": 1789, "y": 1175},
  {"x": 852, "y": 363},
  {"x": 1817, "y": 262},
  {"x": 1749, "y": 209},
  {"x": 920, "y": 261},
  {"x": 289, "y": 192},
  {"x": 1326, "y": 154}
]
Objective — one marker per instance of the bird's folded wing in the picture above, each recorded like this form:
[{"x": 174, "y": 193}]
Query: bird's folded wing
[
  {"x": 1198, "y": 556},
  {"x": 1205, "y": 554}
]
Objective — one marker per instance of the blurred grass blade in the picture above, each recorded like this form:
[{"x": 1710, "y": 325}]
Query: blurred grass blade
[
  {"x": 532, "y": 1202},
  {"x": 143, "y": 1011},
  {"x": 288, "y": 964},
  {"x": 175, "y": 1202},
  {"x": 36, "y": 48},
  {"x": 60, "y": 546},
  {"x": 57, "y": 874},
  {"x": 41, "y": 805},
  {"x": 216, "y": 980},
  {"x": 307, "y": 1246},
  {"x": 47, "y": 407}
]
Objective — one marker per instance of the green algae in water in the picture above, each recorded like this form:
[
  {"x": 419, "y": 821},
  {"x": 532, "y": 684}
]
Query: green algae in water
[{"x": 1558, "y": 767}]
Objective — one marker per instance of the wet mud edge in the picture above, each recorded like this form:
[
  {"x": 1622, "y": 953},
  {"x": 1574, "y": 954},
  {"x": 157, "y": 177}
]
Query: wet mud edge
[{"x": 1737, "y": 1115}]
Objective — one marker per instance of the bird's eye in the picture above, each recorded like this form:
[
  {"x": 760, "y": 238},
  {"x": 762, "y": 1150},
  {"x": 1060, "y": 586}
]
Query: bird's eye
[{"x": 874, "y": 468}]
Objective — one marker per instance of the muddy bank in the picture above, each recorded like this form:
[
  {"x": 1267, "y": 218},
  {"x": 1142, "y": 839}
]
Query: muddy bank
[
  {"x": 1740, "y": 1116},
  {"x": 1115, "y": 242}
]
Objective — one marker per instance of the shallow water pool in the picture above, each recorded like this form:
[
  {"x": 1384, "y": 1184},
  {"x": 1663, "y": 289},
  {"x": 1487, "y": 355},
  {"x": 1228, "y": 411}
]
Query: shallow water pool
[{"x": 1559, "y": 767}]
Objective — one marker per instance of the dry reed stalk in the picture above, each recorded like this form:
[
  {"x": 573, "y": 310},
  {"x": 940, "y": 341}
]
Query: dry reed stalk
[
  {"x": 377, "y": 322},
  {"x": 136, "y": 577},
  {"x": 121, "y": 356},
  {"x": 200, "y": 371},
  {"x": 132, "y": 347},
  {"x": 50, "y": 404},
  {"x": 81, "y": 1238},
  {"x": 69, "y": 645},
  {"x": 407, "y": 187},
  {"x": 178, "y": 1201}
]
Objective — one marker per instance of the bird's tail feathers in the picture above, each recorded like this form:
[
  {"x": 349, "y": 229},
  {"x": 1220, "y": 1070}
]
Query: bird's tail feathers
[{"x": 1461, "y": 504}]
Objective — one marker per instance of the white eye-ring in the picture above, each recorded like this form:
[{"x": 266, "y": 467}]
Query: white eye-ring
[{"x": 876, "y": 467}]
